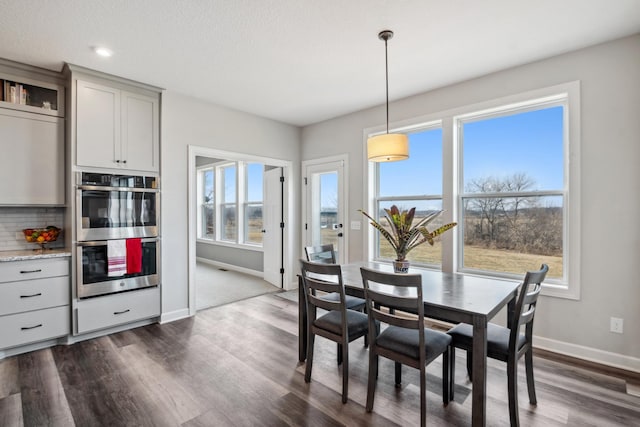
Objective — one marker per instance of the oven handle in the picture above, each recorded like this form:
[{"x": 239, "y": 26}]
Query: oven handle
[
  {"x": 104, "y": 242},
  {"x": 125, "y": 189}
]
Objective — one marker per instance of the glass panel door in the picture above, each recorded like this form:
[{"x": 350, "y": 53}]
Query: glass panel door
[{"x": 324, "y": 207}]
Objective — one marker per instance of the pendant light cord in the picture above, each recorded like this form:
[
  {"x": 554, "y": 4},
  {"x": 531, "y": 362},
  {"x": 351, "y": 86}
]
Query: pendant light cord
[{"x": 386, "y": 78}]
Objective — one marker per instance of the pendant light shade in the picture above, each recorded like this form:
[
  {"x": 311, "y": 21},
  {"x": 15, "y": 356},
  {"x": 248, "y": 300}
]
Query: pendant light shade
[{"x": 388, "y": 147}]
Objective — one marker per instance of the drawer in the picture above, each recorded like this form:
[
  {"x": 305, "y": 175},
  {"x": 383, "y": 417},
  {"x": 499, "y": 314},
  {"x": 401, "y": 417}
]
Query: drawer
[
  {"x": 25, "y": 328},
  {"x": 27, "y": 295},
  {"x": 12, "y": 271},
  {"x": 106, "y": 311}
]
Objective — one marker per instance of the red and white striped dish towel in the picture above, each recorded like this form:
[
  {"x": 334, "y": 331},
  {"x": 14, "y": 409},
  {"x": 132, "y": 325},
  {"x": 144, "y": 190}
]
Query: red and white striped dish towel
[{"x": 117, "y": 258}]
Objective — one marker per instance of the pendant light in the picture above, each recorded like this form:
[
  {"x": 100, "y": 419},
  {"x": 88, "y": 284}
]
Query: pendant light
[{"x": 388, "y": 147}]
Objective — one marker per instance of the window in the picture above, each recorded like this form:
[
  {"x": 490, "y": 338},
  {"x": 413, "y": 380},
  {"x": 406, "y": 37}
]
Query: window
[
  {"x": 229, "y": 204},
  {"x": 230, "y": 199},
  {"x": 253, "y": 204},
  {"x": 415, "y": 182},
  {"x": 206, "y": 203},
  {"x": 508, "y": 183},
  {"x": 512, "y": 190}
]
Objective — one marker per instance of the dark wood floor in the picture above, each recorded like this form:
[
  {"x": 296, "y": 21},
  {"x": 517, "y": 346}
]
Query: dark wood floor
[{"x": 237, "y": 365}]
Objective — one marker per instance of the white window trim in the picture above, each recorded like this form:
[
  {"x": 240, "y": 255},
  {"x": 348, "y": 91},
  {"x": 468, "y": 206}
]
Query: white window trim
[
  {"x": 451, "y": 178},
  {"x": 241, "y": 188}
]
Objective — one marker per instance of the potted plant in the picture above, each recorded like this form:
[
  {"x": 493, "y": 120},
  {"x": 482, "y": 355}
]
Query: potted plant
[{"x": 403, "y": 235}]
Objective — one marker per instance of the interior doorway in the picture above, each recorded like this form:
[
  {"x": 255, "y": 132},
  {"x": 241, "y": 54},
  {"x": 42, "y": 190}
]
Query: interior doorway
[{"x": 238, "y": 236}]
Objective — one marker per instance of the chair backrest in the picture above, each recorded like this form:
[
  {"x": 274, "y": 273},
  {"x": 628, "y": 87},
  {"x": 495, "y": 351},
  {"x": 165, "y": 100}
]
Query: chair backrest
[
  {"x": 399, "y": 291},
  {"x": 526, "y": 304},
  {"x": 322, "y": 277},
  {"x": 324, "y": 254}
]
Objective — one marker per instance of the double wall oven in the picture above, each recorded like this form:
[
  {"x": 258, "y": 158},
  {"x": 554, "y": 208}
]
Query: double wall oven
[{"x": 112, "y": 208}]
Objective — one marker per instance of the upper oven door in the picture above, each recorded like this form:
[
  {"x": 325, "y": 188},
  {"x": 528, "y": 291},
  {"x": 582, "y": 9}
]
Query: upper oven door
[{"x": 116, "y": 212}]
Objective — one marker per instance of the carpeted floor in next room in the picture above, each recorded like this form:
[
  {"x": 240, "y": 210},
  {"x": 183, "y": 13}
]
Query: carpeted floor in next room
[{"x": 215, "y": 286}]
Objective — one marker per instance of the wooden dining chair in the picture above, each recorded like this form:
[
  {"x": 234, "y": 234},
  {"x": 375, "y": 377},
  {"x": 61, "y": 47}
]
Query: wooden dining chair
[
  {"x": 325, "y": 254},
  {"x": 405, "y": 340},
  {"x": 339, "y": 324},
  {"x": 507, "y": 344}
]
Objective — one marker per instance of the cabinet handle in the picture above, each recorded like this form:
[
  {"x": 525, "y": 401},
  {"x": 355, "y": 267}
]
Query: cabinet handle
[
  {"x": 30, "y": 271},
  {"x": 117, "y": 161},
  {"x": 121, "y": 312},
  {"x": 124, "y": 161},
  {"x": 26, "y": 328},
  {"x": 29, "y": 296}
]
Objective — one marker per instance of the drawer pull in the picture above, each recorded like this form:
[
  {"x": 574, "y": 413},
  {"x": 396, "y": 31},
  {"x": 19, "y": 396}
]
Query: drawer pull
[
  {"x": 30, "y": 271},
  {"x": 121, "y": 312},
  {"x": 26, "y": 328},
  {"x": 29, "y": 296}
]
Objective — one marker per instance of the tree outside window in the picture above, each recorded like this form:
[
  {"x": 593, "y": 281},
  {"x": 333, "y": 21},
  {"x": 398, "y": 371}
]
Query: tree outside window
[{"x": 512, "y": 193}]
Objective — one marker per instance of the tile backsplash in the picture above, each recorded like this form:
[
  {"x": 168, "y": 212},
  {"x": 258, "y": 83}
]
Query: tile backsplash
[{"x": 14, "y": 219}]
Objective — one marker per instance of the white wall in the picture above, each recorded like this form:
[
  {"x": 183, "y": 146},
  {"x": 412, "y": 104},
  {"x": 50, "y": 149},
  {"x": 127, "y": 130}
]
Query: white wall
[
  {"x": 188, "y": 121},
  {"x": 610, "y": 132}
]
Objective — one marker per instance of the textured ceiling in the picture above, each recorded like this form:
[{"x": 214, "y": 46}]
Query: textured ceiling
[{"x": 304, "y": 61}]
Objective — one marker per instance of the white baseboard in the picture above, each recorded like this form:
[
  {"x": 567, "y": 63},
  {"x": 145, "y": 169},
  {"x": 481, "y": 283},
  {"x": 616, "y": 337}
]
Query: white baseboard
[
  {"x": 232, "y": 267},
  {"x": 590, "y": 354},
  {"x": 587, "y": 353},
  {"x": 174, "y": 315}
]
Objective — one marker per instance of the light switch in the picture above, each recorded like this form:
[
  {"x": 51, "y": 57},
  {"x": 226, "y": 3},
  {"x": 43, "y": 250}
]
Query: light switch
[{"x": 355, "y": 225}]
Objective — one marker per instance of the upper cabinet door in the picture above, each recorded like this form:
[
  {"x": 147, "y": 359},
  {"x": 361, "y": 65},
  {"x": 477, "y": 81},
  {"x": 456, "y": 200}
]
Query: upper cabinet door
[
  {"x": 32, "y": 160},
  {"x": 98, "y": 126},
  {"x": 140, "y": 127},
  {"x": 117, "y": 128}
]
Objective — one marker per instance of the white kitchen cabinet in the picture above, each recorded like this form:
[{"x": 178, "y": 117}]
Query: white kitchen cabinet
[
  {"x": 34, "y": 301},
  {"x": 32, "y": 162},
  {"x": 116, "y": 128},
  {"x": 32, "y": 132},
  {"x": 112, "y": 310}
]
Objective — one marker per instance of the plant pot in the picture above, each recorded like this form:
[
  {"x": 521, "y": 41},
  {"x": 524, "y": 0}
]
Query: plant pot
[{"x": 401, "y": 267}]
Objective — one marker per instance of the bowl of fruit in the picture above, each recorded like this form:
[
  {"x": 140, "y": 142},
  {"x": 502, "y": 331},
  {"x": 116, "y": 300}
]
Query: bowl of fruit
[{"x": 42, "y": 235}]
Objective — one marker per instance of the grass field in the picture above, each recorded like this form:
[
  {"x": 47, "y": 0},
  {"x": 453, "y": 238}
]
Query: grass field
[{"x": 485, "y": 259}]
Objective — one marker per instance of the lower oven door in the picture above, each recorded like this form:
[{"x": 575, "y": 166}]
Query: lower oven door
[{"x": 93, "y": 278}]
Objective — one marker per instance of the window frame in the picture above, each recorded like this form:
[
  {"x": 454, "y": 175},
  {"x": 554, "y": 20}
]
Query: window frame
[
  {"x": 201, "y": 170},
  {"x": 569, "y": 93},
  {"x": 239, "y": 203},
  {"x": 375, "y": 210}
]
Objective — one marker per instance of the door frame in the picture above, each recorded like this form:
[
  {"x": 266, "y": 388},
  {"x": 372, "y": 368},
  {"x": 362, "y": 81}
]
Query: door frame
[
  {"x": 344, "y": 158},
  {"x": 288, "y": 243}
]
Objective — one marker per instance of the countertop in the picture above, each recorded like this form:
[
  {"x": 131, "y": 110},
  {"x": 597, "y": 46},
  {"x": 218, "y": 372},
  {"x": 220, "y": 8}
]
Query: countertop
[{"x": 28, "y": 254}]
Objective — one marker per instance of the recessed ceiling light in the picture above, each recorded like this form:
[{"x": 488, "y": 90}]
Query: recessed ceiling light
[{"x": 103, "y": 51}]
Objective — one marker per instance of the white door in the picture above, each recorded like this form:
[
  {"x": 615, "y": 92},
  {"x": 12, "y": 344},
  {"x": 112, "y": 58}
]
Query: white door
[
  {"x": 272, "y": 216},
  {"x": 325, "y": 205}
]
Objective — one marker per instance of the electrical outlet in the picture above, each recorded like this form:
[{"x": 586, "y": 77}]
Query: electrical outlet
[{"x": 617, "y": 325}]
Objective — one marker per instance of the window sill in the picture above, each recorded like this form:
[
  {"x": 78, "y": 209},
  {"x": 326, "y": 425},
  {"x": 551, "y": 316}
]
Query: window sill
[{"x": 243, "y": 246}]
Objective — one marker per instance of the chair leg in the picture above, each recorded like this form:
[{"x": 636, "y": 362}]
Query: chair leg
[
  {"x": 446, "y": 372},
  {"x": 307, "y": 371},
  {"x": 339, "y": 352},
  {"x": 452, "y": 371},
  {"x": 531, "y": 386},
  {"x": 423, "y": 396},
  {"x": 398, "y": 373},
  {"x": 345, "y": 373},
  {"x": 371, "y": 383},
  {"x": 470, "y": 365},
  {"x": 512, "y": 380},
  {"x": 366, "y": 336}
]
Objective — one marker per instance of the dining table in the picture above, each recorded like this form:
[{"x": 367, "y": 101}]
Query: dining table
[{"x": 450, "y": 297}]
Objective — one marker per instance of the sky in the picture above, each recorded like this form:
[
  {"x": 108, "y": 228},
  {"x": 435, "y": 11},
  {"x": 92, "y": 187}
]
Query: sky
[{"x": 530, "y": 143}]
